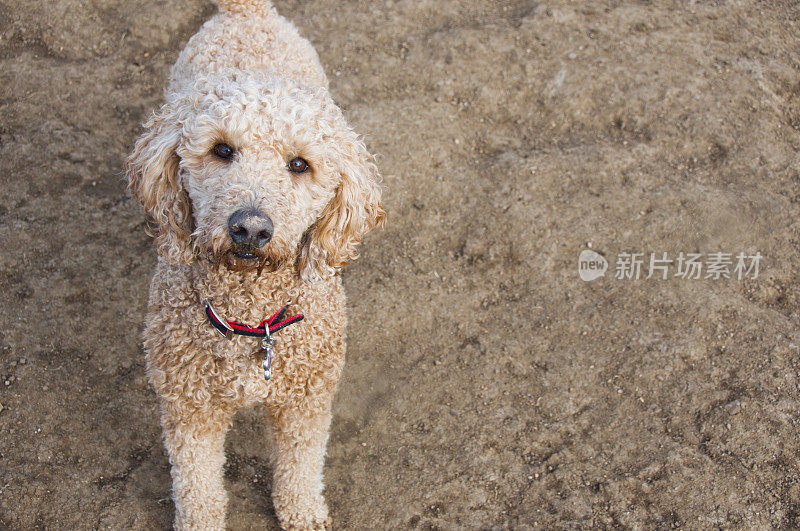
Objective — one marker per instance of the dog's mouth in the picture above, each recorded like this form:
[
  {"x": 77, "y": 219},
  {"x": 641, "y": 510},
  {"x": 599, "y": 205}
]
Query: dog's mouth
[
  {"x": 237, "y": 259},
  {"x": 243, "y": 259}
]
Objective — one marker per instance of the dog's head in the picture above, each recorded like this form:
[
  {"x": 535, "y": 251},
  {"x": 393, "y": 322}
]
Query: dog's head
[{"x": 252, "y": 171}]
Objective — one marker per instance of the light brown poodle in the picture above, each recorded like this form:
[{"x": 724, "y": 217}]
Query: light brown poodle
[{"x": 259, "y": 193}]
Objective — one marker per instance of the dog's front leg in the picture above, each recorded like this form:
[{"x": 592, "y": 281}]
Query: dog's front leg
[
  {"x": 195, "y": 440},
  {"x": 300, "y": 434}
]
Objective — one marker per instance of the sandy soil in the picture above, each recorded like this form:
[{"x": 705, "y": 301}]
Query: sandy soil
[{"x": 487, "y": 384}]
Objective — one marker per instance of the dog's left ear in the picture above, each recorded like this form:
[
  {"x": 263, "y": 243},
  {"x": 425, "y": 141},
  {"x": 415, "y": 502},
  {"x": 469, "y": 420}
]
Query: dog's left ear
[{"x": 332, "y": 241}]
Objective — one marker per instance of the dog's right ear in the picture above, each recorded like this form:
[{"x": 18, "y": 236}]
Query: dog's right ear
[{"x": 154, "y": 179}]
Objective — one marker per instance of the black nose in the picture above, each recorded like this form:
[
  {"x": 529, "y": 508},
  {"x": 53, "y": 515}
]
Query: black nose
[{"x": 251, "y": 228}]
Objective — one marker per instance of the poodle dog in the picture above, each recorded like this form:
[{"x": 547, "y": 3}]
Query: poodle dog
[{"x": 258, "y": 193}]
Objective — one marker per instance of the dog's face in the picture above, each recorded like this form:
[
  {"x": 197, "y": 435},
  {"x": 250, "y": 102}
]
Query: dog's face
[
  {"x": 248, "y": 171},
  {"x": 259, "y": 162}
]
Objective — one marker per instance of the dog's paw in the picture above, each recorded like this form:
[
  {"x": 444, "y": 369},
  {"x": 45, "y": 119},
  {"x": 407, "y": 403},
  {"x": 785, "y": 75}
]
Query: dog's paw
[
  {"x": 300, "y": 523},
  {"x": 312, "y": 518}
]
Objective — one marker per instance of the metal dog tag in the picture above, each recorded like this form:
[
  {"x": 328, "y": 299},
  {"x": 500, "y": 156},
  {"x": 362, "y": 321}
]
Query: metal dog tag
[{"x": 268, "y": 344}]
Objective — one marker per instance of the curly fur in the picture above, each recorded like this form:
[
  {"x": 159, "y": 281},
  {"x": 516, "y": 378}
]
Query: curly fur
[{"x": 248, "y": 79}]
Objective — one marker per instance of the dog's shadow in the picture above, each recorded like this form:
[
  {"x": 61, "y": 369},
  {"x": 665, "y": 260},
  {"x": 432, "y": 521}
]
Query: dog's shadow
[
  {"x": 146, "y": 481},
  {"x": 248, "y": 475}
]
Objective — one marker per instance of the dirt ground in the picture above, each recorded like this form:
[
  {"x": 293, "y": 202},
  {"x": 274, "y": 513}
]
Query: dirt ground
[{"x": 487, "y": 385}]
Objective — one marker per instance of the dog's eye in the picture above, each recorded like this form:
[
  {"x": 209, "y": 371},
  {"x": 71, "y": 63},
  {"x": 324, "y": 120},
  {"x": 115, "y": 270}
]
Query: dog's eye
[
  {"x": 298, "y": 165},
  {"x": 223, "y": 151}
]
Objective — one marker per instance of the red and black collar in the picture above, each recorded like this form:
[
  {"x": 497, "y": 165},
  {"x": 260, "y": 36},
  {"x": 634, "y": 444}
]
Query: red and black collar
[{"x": 265, "y": 328}]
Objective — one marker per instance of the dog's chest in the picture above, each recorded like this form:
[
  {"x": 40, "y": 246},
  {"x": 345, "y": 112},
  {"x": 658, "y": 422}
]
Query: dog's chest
[
  {"x": 311, "y": 350},
  {"x": 258, "y": 363}
]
